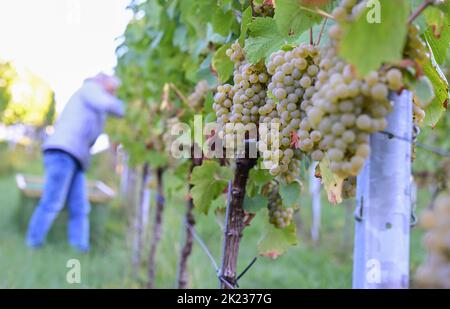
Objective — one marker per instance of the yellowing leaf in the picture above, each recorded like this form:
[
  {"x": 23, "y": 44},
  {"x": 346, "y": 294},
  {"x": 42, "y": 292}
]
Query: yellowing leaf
[
  {"x": 434, "y": 111},
  {"x": 276, "y": 242},
  {"x": 331, "y": 182}
]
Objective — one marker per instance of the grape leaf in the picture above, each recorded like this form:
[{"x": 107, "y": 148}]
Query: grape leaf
[
  {"x": 293, "y": 17},
  {"x": 221, "y": 21},
  {"x": 423, "y": 90},
  {"x": 438, "y": 106},
  {"x": 276, "y": 242},
  {"x": 290, "y": 194},
  {"x": 259, "y": 176},
  {"x": 158, "y": 159},
  {"x": 246, "y": 20},
  {"x": 255, "y": 203},
  {"x": 256, "y": 180},
  {"x": 438, "y": 33},
  {"x": 208, "y": 180},
  {"x": 222, "y": 64},
  {"x": 331, "y": 182},
  {"x": 264, "y": 39},
  {"x": 368, "y": 45}
]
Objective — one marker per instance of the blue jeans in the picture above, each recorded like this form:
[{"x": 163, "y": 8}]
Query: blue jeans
[{"x": 64, "y": 182}]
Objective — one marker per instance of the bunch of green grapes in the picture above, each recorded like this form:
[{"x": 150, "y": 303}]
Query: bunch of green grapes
[
  {"x": 237, "y": 106},
  {"x": 223, "y": 100},
  {"x": 435, "y": 272},
  {"x": 418, "y": 113},
  {"x": 293, "y": 76},
  {"x": 197, "y": 98},
  {"x": 279, "y": 216},
  {"x": 346, "y": 108}
]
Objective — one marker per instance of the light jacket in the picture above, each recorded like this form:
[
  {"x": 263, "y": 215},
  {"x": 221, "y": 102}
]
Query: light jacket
[{"x": 82, "y": 121}]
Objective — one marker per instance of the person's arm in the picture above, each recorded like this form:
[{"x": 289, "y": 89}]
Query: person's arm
[{"x": 95, "y": 97}]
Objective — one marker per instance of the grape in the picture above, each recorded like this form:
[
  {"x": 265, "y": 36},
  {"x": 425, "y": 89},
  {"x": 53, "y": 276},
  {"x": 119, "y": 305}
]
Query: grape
[
  {"x": 345, "y": 108},
  {"x": 197, "y": 98},
  {"x": 279, "y": 216},
  {"x": 435, "y": 271},
  {"x": 394, "y": 78},
  {"x": 240, "y": 104},
  {"x": 293, "y": 75}
]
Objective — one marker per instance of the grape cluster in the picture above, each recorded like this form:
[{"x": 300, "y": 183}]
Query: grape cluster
[
  {"x": 293, "y": 75},
  {"x": 345, "y": 108},
  {"x": 435, "y": 272},
  {"x": 237, "y": 106},
  {"x": 279, "y": 216},
  {"x": 197, "y": 98}
]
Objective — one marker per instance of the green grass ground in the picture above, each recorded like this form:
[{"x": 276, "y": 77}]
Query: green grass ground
[{"x": 325, "y": 265}]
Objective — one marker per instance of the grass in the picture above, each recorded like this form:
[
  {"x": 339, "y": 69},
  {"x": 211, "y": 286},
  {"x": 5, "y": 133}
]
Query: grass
[{"x": 325, "y": 265}]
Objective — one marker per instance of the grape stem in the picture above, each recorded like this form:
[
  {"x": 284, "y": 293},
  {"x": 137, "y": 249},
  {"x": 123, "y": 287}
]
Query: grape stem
[
  {"x": 252, "y": 5},
  {"x": 319, "y": 12},
  {"x": 321, "y": 31},
  {"x": 419, "y": 10},
  {"x": 178, "y": 93},
  {"x": 311, "y": 38}
]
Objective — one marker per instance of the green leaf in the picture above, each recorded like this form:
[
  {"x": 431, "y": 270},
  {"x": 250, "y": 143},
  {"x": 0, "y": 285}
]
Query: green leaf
[
  {"x": 208, "y": 180},
  {"x": 434, "y": 111},
  {"x": 290, "y": 194},
  {"x": 256, "y": 179},
  {"x": 264, "y": 39},
  {"x": 276, "y": 242},
  {"x": 293, "y": 18},
  {"x": 246, "y": 20},
  {"x": 438, "y": 33},
  {"x": 331, "y": 182},
  {"x": 209, "y": 100},
  {"x": 255, "y": 203},
  {"x": 222, "y": 64},
  {"x": 368, "y": 45},
  {"x": 156, "y": 158},
  {"x": 423, "y": 90},
  {"x": 259, "y": 176},
  {"x": 221, "y": 22}
]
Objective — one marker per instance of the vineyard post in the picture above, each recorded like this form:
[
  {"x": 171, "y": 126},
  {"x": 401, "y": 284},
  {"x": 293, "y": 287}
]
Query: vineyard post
[
  {"x": 316, "y": 205},
  {"x": 124, "y": 174},
  {"x": 383, "y": 211}
]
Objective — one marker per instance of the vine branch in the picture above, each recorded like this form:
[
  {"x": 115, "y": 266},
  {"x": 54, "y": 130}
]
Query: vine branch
[{"x": 419, "y": 10}]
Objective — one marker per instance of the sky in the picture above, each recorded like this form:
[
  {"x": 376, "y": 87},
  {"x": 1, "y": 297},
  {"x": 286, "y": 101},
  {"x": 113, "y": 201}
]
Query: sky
[{"x": 62, "y": 41}]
